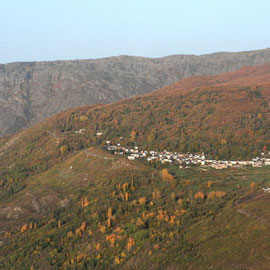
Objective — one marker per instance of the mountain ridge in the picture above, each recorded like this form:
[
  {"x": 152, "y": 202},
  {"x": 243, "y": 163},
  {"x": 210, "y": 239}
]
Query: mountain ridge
[{"x": 32, "y": 91}]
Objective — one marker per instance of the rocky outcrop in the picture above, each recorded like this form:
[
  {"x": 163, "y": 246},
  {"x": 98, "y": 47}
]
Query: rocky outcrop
[{"x": 30, "y": 92}]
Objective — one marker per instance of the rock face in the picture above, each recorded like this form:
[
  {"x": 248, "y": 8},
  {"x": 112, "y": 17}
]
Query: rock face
[{"x": 30, "y": 92}]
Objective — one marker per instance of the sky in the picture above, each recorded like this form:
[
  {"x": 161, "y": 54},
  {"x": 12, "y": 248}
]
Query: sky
[{"x": 38, "y": 30}]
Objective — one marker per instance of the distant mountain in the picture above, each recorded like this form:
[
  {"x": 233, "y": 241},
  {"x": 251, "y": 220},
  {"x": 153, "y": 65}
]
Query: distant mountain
[{"x": 30, "y": 92}]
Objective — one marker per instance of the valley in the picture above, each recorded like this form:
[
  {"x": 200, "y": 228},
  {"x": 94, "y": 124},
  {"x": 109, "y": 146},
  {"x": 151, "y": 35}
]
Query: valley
[{"x": 68, "y": 201}]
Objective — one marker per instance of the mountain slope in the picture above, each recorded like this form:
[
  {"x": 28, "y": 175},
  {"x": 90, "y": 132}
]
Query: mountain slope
[
  {"x": 67, "y": 204},
  {"x": 30, "y": 92}
]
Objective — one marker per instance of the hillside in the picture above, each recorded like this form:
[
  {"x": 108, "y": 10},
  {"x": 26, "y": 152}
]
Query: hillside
[
  {"x": 65, "y": 203},
  {"x": 97, "y": 211},
  {"x": 30, "y": 92},
  {"x": 225, "y": 116}
]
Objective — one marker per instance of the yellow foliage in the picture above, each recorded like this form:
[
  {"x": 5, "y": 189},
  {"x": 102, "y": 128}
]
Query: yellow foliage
[
  {"x": 83, "y": 118},
  {"x": 142, "y": 200},
  {"x": 209, "y": 183},
  {"x": 117, "y": 260},
  {"x": 59, "y": 224},
  {"x": 124, "y": 187},
  {"x": 63, "y": 149},
  {"x": 110, "y": 212},
  {"x": 102, "y": 229},
  {"x": 173, "y": 196},
  {"x": 90, "y": 232},
  {"x": 133, "y": 136},
  {"x": 223, "y": 141}
]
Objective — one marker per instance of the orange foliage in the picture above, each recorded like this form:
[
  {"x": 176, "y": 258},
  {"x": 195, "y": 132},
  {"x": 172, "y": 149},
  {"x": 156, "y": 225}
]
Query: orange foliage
[
  {"x": 24, "y": 228},
  {"x": 109, "y": 222},
  {"x": 252, "y": 185},
  {"x": 126, "y": 196},
  {"x": 162, "y": 215},
  {"x": 166, "y": 176},
  {"x": 98, "y": 246},
  {"x": 142, "y": 200},
  {"x": 209, "y": 183},
  {"x": 125, "y": 187},
  {"x": 84, "y": 202},
  {"x": 133, "y": 136},
  {"x": 180, "y": 201},
  {"x": 111, "y": 238},
  {"x": 110, "y": 212},
  {"x": 172, "y": 221},
  {"x": 131, "y": 243},
  {"x": 78, "y": 232},
  {"x": 199, "y": 195},
  {"x": 83, "y": 226},
  {"x": 117, "y": 260}
]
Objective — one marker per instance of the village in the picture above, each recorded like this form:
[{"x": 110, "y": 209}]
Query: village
[{"x": 185, "y": 160}]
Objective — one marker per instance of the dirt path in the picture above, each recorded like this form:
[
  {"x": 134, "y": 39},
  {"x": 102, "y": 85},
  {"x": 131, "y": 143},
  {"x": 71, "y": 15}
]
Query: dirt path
[{"x": 97, "y": 156}]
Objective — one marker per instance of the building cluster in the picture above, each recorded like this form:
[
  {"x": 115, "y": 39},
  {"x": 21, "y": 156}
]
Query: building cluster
[{"x": 183, "y": 159}]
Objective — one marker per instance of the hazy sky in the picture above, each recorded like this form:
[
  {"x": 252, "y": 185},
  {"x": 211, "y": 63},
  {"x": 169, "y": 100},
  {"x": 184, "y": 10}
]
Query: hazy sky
[{"x": 34, "y": 30}]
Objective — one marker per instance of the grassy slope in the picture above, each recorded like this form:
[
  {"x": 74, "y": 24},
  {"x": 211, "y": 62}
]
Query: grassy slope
[{"x": 206, "y": 234}]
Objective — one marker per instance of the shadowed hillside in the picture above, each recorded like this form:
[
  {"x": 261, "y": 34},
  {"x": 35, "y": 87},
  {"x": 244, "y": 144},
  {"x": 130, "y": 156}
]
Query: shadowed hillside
[{"x": 30, "y": 92}]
